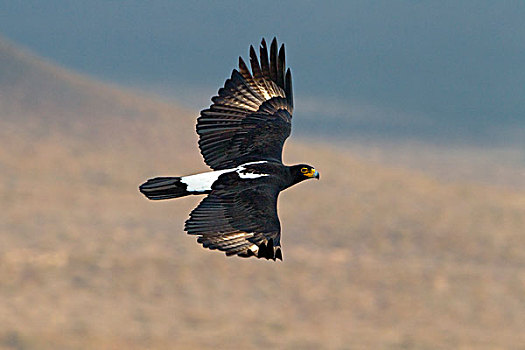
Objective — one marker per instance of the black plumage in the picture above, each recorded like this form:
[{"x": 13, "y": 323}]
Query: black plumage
[
  {"x": 251, "y": 117},
  {"x": 241, "y": 137}
]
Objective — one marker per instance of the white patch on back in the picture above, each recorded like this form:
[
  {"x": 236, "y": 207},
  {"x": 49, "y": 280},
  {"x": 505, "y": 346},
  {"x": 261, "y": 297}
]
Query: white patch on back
[
  {"x": 257, "y": 162},
  {"x": 249, "y": 175},
  {"x": 244, "y": 175},
  {"x": 202, "y": 182}
]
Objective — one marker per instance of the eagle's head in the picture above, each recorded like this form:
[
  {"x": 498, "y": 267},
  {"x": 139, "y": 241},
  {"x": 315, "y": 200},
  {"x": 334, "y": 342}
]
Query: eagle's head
[{"x": 302, "y": 172}]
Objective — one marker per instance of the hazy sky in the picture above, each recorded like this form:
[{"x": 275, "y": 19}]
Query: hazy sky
[{"x": 448, "y": 70}]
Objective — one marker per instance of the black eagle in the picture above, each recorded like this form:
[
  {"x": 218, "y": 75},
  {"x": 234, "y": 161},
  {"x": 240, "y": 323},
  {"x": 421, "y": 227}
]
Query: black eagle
[{"x": 241, "y": 138}]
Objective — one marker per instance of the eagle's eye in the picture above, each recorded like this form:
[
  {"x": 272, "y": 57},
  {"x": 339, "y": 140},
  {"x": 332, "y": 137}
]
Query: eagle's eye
[{"x": 304, "y": 170}]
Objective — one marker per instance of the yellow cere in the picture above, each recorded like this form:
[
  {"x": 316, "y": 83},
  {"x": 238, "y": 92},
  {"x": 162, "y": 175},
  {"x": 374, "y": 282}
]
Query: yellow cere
[{"x": 308, "y": 172}]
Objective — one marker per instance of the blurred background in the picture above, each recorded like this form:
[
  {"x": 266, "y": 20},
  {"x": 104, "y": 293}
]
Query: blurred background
[{"x": 412, "y": 111}]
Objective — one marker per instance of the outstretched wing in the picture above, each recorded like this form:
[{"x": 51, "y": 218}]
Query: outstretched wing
[
  {"x": 251, "y": 117},
  {"x": 241, "y": 222}
]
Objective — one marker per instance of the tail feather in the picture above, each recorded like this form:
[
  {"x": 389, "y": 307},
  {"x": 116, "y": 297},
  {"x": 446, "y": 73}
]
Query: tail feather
[{"x": 164, "y": 188}]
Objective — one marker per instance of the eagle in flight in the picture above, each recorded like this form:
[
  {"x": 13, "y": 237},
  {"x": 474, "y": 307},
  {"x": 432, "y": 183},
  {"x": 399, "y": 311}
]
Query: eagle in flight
[{"x": 241, "y": 137}]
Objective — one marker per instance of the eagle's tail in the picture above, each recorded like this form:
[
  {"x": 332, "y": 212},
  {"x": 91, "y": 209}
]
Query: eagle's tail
[{"x": 164, "y": 188}]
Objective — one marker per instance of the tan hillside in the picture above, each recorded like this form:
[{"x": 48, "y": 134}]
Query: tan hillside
[{"x": 374, "y": 257}]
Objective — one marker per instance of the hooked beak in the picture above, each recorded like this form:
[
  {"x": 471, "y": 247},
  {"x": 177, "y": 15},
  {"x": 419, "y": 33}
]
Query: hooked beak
[{"x": 316, "y": 175}]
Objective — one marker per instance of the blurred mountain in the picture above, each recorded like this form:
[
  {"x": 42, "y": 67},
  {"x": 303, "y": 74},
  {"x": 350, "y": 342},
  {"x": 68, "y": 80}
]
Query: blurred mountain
[
  {"x": 448, "y": 72},
  {"x": 40, "y": 100},
  {"x": 374, "y": 256}
]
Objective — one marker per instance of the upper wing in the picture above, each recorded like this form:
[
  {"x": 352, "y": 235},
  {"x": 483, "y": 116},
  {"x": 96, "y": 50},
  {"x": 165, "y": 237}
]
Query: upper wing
[
  {"x": 242, "y": 222},
  {"x": 251, "y": 117}
]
